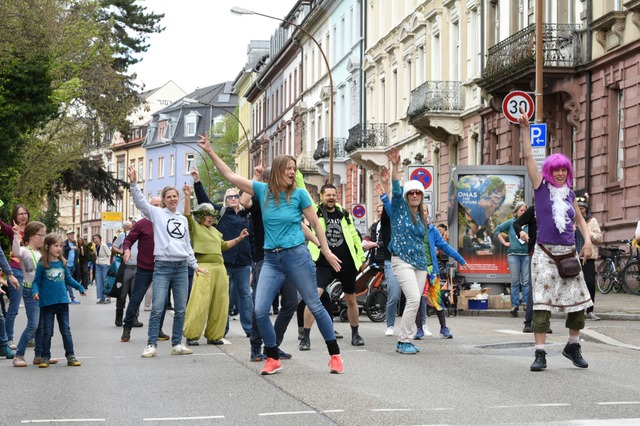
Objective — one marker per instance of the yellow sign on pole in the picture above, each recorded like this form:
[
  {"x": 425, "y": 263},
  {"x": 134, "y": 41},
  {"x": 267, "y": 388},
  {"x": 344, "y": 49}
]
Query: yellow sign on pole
[{"x": 112, "y": 216}]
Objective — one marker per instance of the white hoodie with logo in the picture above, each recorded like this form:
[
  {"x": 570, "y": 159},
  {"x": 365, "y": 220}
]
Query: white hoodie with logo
[{"x": 170, "y": 231}]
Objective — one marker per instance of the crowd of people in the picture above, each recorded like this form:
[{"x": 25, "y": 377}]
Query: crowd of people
[{"x": 269, "y": 245}]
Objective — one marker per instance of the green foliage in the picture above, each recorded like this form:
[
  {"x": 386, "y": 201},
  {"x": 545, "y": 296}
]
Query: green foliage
[{"x": 224, "y": 140}]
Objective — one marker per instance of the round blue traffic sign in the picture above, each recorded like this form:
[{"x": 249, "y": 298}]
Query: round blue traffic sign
[
  {"x": 358, "y": 211},
  {"x": 423, "y": 176}
]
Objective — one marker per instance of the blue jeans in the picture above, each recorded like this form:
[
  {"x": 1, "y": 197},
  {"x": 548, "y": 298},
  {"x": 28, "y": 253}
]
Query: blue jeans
[
  {"x": 32, "y": 308},
  {"x": 49, "y": 313},
  {"x": 289, "y": 306},
  {"x": 240, "y": 292},
  {"x": 520, "y": 277},
  {"x": 174, "y": 275},
  {"x": 15, "y": 295},
  {"x": 101, "y": 275},
  {"x": 140, "y": 286},
  {"x": 393, "y": 293},
  {"x": 296, "y": 265},
  {"x": 72, "y": 271},
  {"x": 3, "y": 334}
]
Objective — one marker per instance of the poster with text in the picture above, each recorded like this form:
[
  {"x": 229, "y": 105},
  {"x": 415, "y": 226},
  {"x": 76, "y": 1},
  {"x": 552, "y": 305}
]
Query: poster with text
[{"x": 484, "y": 202}]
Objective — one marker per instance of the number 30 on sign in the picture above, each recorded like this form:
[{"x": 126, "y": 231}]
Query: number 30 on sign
[{"x": 513, "y": 102}]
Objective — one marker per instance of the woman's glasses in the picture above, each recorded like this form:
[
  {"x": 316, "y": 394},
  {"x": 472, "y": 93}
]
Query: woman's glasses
[
  {"x": 414, "y": 193},
  {"x": 233, "y": 197}
]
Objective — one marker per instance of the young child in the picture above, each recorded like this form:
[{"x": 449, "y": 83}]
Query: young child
[
  {"x": 29, "y": 255},
  {"x": 49, "y": 287}
]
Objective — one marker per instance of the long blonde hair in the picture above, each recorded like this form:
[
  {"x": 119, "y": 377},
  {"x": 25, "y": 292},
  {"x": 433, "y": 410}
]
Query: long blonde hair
[{"x": 276, "y": 179}]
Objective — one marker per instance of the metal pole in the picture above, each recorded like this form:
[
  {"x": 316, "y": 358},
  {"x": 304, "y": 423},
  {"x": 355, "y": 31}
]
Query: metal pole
[{"x": 539, "y": 60}]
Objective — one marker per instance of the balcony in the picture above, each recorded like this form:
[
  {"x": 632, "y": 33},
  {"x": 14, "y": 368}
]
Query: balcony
[
  {"x": 367, "y": 144},
  {"x": 514, "y": 57},
  {"x": 435, "y": 108},
  {"x": 306, "y": 163},
  {"x": 340, "y": 158}
]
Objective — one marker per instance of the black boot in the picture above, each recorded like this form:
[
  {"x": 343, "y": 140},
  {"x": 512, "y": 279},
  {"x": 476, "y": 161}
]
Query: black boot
[
  {"x": 126, "y": 335},
  {"x": 572, "y": 351},
  {"x": 119, "y": 313},
  {"x": 541, "y": 361}
]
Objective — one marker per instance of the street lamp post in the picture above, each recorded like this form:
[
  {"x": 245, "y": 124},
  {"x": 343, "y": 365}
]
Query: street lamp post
[
  {"x": 241, "y": 11},
  {"x": 232, "y": 114}
]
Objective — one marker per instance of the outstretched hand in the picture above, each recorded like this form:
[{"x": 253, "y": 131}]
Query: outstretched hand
[
  {"x": 523, "y": 120},
  {"x": 133, "y": 176},
  {"x": 258, "y": 171},
  {"x": 379, "y": 189},
  {"x": 394, "y": 156},
  {"x": 186, "y": 189},
  {"x": 195, "y": 174},
  {"x": 204, "y": 143}
]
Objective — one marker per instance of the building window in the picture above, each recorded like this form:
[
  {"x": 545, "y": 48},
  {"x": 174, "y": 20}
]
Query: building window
[
  {"x": 172, "y": 165},
  {"x": 191, "y": 123},
  {"x": 189, "y": 162},
  {"x": 120, "y": 167},
  {"x": 150, "y": 169},
  {"x": 162, "y": 130},
  {"x": 140, "y": 169},
  {"x": 160, "y": 167},
  {"x": 619, "y": 136}
]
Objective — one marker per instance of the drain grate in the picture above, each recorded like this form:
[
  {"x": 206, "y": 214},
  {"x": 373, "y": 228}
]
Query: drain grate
[{"x": 512, "y": 345}]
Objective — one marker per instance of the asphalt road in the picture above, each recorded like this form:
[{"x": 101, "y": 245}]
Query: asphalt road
[{"x": 481, "y": 376}]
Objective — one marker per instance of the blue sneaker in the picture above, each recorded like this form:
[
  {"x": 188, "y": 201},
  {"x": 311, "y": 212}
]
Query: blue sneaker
[
  {"x": 284, "y": 355},
  {"x": 419, "y": 334},
  {"x": 406, "y": 348},
  {"x": 75, "y": 302},
  {"x": 445, "y": 333},
  {"x": 257, "y": 357},
  {"x": 414, "y": 347}
]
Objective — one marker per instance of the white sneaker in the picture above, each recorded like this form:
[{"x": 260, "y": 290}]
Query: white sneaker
[
  {"x": 389, "y": 331},
  {"x": 149, "y": 352},
  {"x": 591, "y": 316},
  {"x": 12, "y": 345},
  {"x": 427, "y": 333},
  {"x": 180, "y": 349}
]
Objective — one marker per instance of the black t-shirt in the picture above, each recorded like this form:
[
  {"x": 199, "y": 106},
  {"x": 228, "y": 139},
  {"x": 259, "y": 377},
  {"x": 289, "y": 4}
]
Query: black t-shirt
[{"x": 335, "y": 237}]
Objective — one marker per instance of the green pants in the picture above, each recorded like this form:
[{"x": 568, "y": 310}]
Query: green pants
[{"x": 542, "y": 321}]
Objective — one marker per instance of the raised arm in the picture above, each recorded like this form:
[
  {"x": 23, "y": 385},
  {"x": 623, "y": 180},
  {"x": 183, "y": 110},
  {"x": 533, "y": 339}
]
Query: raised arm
[
  {"x": 527, "y": 150},
  {"x": 240, "y": 182},
  {"x": 138, "y": 199},
  {"x": 394, "y": 157},
  {"x": 246, "y": 200},
  {"x": 187, "y": 199}
]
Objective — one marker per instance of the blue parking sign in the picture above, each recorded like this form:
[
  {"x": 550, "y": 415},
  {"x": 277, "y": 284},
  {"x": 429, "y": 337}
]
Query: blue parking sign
[{"x": 538, "y": 133}]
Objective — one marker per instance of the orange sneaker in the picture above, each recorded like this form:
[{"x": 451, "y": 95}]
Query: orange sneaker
[
  {"x": 272, "y": 366},
  {"x": 335, "y": 365}
]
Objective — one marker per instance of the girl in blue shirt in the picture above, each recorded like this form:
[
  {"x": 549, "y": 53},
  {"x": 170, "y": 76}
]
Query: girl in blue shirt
[
  {"x": 49, "y": 287},
  {"x": 286, "y": 255}
]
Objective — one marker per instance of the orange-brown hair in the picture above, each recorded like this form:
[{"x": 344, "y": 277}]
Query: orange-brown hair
[
  {"x": 30, "y": 230},
  {"x": 276, "y": 179}
]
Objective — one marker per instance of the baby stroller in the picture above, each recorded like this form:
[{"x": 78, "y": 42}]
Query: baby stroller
[{"x": 371, "y": 295}]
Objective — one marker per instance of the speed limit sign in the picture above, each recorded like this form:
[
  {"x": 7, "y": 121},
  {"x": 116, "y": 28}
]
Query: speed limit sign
[{"x": 514, "y": 102}]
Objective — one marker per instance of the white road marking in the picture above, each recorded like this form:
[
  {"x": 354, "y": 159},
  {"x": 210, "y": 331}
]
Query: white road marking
[
  {"x": 619, "y": 403},
  {"x": 390, "y": 409},
  {"x": 530, "y": 405},
  {"x": 63, "y": 420},
  {"x": 169, "y": 419},
  {"x": 510, "y": 332},
  {"x": 287, "y": 413}
]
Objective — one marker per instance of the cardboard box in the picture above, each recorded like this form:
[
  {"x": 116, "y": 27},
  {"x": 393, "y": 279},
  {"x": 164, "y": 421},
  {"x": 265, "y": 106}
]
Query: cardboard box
[
  {"x": 470, "y": 294},
  {"x": 500, "y": 302},
  {"x": 478, "y": 304}
]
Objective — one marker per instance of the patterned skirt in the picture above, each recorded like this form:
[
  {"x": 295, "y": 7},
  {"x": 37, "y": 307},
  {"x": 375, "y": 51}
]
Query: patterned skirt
[{"x": 551, "y": 292}]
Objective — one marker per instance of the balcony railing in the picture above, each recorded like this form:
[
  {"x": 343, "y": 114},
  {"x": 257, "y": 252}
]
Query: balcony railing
[
  {"x": 322, "y": 150},
  {"x": 306, "y": 163},
  {"x": 562, "y": 47},
  {"x": 369, "y": 135},
  {"x": 435, "y": 96}
]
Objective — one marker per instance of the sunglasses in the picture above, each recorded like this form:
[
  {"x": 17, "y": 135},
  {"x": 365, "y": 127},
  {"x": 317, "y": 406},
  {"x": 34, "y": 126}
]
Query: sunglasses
[
  {"x": 233, "y": 197},
  {"x": 412, "y": 193}
]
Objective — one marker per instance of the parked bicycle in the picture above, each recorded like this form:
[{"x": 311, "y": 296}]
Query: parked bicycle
[
  {"x": 631, "y": 271},
  {"x": 611, "y": 270}
]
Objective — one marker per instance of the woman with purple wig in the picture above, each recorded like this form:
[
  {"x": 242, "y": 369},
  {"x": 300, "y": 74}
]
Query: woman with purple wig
[{"x": 557, "y": 215}]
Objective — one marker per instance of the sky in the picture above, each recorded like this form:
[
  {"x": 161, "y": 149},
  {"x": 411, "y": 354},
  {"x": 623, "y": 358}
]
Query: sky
[{"x": 203, "y": 42}]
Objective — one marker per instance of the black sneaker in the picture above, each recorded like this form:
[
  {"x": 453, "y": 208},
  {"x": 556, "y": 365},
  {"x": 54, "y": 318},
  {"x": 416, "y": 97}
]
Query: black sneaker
[
  {"x": 356, "y": 340},
  {"x": 137, "y": 323},
  {"x": 527, "y": 328},
  {"x": 162, "y": 336},
  {"x": 215, "y": 342},
  {"x": 573, "y": 352},
  {"x": 514, "y": 312},
  {"x": 192, "y": 342},
  {"x": 338, "y": 335},
  {"x": 126, "y": 335},
  {"x": 540, "y": 362},
  {"x": 285, "y": 355},
  {"x": 305, "y": 345}
]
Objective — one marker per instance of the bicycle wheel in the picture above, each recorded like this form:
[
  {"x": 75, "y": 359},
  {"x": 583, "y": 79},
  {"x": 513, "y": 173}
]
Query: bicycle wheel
[
  {"x": 603, "y": 278},
  {"x": 616, "y": 279},
  {"x": 376, "y": 306},
  {"x": 631, "y": 277}
]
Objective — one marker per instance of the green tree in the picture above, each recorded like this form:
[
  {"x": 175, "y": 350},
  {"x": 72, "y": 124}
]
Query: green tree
[{"x": 224, "y": 141}]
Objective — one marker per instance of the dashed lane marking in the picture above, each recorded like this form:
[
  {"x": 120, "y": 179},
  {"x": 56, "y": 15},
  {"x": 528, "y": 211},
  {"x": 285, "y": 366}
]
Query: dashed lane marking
[
  {"x": 63, "y": 420},
  {"x": 171, "y": 419}
]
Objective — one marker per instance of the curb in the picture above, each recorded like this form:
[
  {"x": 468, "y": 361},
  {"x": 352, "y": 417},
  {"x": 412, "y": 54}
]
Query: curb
[
  {"x": 613, "y": 316},
  {"x": 594, "y": 336}
]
